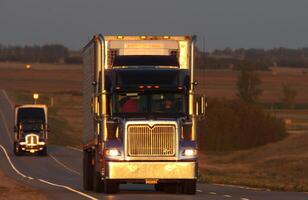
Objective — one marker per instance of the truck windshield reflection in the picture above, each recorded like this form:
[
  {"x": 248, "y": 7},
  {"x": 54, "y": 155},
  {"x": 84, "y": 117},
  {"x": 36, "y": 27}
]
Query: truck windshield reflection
[{"x": 149, "y": 103}]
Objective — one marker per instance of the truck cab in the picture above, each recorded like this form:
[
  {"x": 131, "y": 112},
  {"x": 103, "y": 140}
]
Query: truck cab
[
  {"x": 30, "y": 129},
  {"x": 141, "y": 113}
]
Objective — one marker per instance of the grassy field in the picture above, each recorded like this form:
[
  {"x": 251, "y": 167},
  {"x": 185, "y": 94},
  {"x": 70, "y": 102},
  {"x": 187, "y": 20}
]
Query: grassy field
[
  {"x": 222, "y": 84},
  {"x": 281, "y": 165},
  {"x": 38, "y": 66},
  {"x": 42, "y": 81}
]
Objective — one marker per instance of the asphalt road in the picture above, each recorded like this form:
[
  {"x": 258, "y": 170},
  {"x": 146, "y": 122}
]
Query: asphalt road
[{"x": 59, "y": 175}]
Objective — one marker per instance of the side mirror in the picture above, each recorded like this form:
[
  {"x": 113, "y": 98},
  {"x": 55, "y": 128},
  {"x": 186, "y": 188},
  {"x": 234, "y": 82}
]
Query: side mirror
[
  {"x": 200, "y": 106},
  {"x": 112, "y": 129}
]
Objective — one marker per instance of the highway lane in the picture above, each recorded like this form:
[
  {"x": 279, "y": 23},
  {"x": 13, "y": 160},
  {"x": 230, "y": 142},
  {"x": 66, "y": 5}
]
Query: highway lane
[{"x": 63, "y": 167}]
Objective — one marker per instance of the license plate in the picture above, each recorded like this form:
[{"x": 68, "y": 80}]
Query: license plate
[{"x": 151, "y": 181}]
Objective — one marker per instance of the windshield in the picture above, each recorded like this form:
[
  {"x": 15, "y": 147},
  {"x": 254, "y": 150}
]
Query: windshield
[
  {"x": 31, "y": 114},
  {"x": 142, "y": 103},
  {"x": 36, "y": 128}
]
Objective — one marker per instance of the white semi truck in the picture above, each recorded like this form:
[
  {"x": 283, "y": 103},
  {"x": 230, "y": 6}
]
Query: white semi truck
[
  {"x": 140, "y": 113},
  {"x": 30, "y": 129}
]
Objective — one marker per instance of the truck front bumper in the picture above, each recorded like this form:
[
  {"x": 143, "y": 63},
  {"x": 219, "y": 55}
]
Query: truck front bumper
[
  {"x": 32, "y": 148},
  {"x": 151, "y": 170}
]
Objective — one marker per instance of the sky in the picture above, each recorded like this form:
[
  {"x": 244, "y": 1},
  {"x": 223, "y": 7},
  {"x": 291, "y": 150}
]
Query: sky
[{"x": 217, "y": 23}]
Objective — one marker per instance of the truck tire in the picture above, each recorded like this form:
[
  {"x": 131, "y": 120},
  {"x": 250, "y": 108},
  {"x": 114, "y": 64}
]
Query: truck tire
[
  {"x": 87, "y": 171},
  {"x": 189, "y": 186},
  {"x": 172, "y": 188},
  {"x": 98, "y": 184},
  {"x": 17, "y": 150},
  {"x": 111, "y": 186},
  {"x": 159, "y": 187},
  {"x": 43, "y": 152}
]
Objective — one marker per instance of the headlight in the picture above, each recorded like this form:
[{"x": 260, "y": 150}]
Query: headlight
[
  {"x": 190, "y": 152},
  {"x": 113, "y": 152}
]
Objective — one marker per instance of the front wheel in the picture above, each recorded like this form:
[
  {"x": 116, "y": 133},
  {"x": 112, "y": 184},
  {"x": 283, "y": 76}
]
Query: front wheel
[
  {"x": 17, "y": 150},
  {"x": 98, "y": 184},
  {"x": 190, "y": 186},
  {"x": 87, "y": 171},
  {"x": 111, "y": 186},
  {"x": 43, "y": 152},
  {"x": 159, "y": 187}
]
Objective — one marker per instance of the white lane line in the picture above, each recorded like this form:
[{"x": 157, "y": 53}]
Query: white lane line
[
  {"x": 74, "y": 148},
  {"x": 6, "y": 127},
  {"x": 199, "y": 191},
  {"x": 44, "y": 181},
  {"x": 227, "y": 196},
  {"x": 12, "y": 165},
  {"x": 63, "y": 165},
  {"x": 212, "y": 193},
  {"x": 243, "y": 187},
  {"x": 68, "y": 188},
  {"x": 8, "y": 98},
  {"x": 245, "y": 199}
]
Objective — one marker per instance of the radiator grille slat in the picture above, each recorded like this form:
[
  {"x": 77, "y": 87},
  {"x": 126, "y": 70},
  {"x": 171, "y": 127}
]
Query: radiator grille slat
[
  {"x": 32, "y": 139},
  {"x": 159, "y": 140}
]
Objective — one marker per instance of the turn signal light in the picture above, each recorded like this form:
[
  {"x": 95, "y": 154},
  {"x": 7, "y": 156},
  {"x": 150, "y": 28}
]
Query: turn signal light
[{"x": 113, "y": 152}]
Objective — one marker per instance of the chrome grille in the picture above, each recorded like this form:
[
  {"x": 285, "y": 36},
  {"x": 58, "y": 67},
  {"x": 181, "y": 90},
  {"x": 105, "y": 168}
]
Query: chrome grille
[
  {"x": 32, "y": 139},
  {"x": 155, "y": 141}
]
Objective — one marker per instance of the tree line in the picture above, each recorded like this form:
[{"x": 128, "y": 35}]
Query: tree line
[
  {"x": 260, "y": 59},
  {"x": 50, "y": 53},
  {"x": 227, "y": 58}
]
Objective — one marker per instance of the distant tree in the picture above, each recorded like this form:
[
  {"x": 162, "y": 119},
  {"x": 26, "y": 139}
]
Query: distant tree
[
  {"x": 289, "y": 96},
  {"x": 248, "y": 84}
]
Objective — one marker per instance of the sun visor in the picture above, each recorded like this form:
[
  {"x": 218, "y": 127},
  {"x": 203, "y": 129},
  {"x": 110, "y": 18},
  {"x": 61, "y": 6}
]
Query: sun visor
[
  {"x": 147, "y": 77},
  {"x": 145, "y": 61}
]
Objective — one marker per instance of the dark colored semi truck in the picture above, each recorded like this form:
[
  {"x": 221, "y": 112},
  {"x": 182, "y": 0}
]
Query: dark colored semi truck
[
  {"x": 30, "y": 129},
  {"x": 140, "y": 113}
]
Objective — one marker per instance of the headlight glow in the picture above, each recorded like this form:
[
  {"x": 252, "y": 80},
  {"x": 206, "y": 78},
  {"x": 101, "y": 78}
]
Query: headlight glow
[
  {"x": 190, "y": 152},
  {"x": 113, "y": 152}
]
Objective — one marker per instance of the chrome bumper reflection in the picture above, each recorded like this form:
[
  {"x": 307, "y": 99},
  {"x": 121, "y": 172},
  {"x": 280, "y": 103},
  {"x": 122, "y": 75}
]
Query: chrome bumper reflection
[{"x": 152, "y": 170}]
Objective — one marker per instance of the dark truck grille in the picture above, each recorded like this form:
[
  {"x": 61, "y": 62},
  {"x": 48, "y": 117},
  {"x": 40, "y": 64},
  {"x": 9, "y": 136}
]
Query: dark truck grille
[{"x": 156, "y": 141}]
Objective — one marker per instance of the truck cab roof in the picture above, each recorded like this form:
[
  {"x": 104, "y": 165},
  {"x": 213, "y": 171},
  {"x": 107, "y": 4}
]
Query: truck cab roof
[{"x": 31, "y": 106}]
